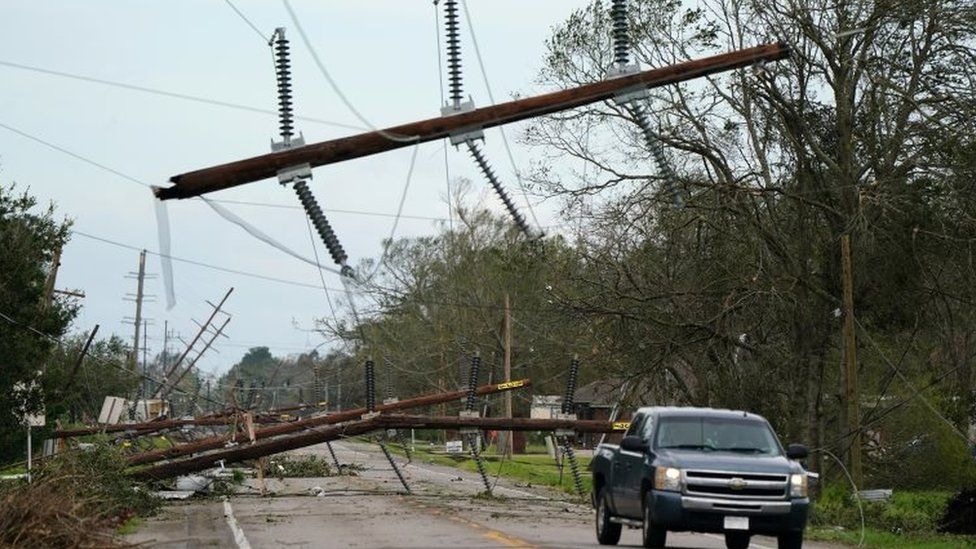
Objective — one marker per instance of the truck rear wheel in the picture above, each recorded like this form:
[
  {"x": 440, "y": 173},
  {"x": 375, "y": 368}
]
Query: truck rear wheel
[
  {"x": 652, "y": 535},
  {"x": 737, "y": 540},
  {"x": 607, "y": 533}
]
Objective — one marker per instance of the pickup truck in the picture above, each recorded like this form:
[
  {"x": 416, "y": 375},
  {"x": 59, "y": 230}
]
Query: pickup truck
[{"x": 701, "y": 470}]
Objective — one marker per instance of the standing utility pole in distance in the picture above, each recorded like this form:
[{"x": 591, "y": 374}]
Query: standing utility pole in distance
[
  {"x": 138, "y": 322},
  {"x": 851, "y": 393},
  {"x": 509, "y": 443}
]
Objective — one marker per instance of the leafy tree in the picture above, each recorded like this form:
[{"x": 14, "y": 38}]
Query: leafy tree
[
  {"x": 29, "y": 237},
  {"x": 865, "y": 131}
]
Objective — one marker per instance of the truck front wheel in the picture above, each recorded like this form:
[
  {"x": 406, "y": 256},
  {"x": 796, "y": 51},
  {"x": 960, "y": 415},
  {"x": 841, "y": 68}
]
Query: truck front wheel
[
  {"x": 652, "y": 535},
  {"x": 607, "y": 533},
  {"x": 737, "y": 540},
  {"x": 790, "y": 540}
]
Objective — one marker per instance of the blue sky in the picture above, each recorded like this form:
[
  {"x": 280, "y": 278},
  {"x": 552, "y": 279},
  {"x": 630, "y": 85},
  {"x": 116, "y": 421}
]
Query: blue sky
[{"x": 382, "y": 53}]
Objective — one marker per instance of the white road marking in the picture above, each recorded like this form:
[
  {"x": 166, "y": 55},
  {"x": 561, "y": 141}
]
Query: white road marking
[{"x": 239, "y": 538}]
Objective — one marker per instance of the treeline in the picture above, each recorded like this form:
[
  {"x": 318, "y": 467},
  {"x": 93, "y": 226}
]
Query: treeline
[{"x": 734, "y": 298}]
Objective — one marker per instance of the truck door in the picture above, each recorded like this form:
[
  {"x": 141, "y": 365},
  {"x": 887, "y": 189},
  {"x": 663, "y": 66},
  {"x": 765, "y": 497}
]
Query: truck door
[{"x": 627, "y": 470}]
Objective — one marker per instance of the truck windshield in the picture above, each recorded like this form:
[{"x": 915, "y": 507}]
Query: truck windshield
[{"x": 709, "y": 434}]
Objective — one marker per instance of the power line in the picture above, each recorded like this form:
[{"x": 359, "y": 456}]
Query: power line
[
  {"x": 90, "y": 357},
  {"x": 246, "y": 20},
  {"x": 396, "y": 220},
  {"x": 915, "y": 392},
  {"x": 330, "y": 210},
  {"x": 170, "y": 94},
  {"x": 198, "y": 263},
  {"x": 491, "y": 97},
  {"x": 335, "y": 87},
  {"x": 73, "y": 155}
]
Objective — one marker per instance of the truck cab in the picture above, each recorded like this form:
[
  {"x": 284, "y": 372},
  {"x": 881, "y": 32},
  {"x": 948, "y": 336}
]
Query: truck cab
[{"x": 701, "y": 470}]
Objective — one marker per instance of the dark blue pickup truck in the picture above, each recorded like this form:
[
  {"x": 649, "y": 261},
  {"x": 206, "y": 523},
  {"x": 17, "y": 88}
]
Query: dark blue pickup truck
[{"x": 701, "y": 470}]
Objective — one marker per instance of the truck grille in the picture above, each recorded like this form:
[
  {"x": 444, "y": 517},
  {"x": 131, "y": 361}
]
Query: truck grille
[{"x": 736, "y": 485}]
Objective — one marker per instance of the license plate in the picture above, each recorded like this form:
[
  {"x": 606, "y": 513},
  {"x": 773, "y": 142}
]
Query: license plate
[{"x": 736, "y": 523}]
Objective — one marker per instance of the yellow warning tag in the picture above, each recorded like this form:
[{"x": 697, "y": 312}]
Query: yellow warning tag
[
  {"x": 512, "y": 384},
  {"x": 621, "y": 425}
]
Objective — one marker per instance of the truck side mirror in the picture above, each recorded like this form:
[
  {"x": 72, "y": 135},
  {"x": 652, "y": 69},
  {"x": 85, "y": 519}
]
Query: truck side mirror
[
  {"x": 633, "y": 444},
  {"x": 796, "y": 451}
]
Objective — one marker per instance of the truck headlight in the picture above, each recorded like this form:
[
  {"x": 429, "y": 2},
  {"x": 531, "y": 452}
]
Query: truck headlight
[
  {"x": 798, "y": 486},
  {"x": 667, "y": 478}
]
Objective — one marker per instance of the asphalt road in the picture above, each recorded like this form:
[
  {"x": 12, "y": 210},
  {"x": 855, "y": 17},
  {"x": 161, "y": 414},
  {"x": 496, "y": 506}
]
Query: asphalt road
[{"x": 369, "y": 510}]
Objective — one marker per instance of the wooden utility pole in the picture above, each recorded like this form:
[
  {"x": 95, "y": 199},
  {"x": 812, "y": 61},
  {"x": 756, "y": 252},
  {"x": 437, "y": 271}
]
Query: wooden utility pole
[
  {"x": 195, "y": 359},
  {"x": 79, "y": 360},
  {"x": 507, "y": 364},
  {"x": 203, "y": 328},
  {"x": 52, "y": 276},
  {"x": 356, "y": 146},
  {"x": 140, "y": 277},
  {"x": 852, "y": 396}
]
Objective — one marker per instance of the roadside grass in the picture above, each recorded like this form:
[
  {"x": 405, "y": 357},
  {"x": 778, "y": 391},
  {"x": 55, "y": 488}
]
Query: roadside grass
[
  {"x": 881, "y": 539},
  {"x": 908, "y": 519},
  {"x": 532, "y": 469}
]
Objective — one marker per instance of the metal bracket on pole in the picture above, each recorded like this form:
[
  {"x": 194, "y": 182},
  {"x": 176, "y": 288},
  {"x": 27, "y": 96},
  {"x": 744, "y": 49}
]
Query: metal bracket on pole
[
  {"x": 469, "y": 430},
  {"x": 464, "y": 135},
  {"x": 566, "y": 433}
]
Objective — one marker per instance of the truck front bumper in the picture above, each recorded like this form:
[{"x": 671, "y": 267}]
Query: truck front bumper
[{"x": 679, "y": 512}]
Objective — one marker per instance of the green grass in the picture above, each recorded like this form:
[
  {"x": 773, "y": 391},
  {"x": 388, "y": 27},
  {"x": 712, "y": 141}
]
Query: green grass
[
  {"x": 534, "y": 469},
  {"x": 881, "y": 539},
  {"x": 909, "y": 519},
  {"x": 130, "y": 526},
  {"x": 14, "y": 470}
]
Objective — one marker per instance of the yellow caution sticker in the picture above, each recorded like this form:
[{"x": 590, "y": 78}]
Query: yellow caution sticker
[
  {"x": 512, "y": 384},
  {"x": 284, "y": 417},
  {"x": 621, "y": 425}
]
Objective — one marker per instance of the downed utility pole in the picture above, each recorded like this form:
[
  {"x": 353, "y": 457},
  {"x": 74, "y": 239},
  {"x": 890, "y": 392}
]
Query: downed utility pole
[
  {"x": 169, "y": 373},
  {"x": 258, "y": 449},
  {"x": 229, "y": 175},
  {"x": 193, "y": 362},
  {"x": 497, "y": 423},
  {"x": 147, "y": 427},
  {"x": 360, "y": 427},
  {"x": 213, "y": 443}
]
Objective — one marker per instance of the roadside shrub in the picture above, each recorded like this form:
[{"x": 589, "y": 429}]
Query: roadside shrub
[
  {"x": 906, "y": 512},
  {"x": 76, "y": 500}
]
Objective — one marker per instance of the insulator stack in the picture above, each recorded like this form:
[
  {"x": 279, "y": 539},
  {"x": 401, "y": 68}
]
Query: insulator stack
[
  {"x": 489, "y": 174},
  {"x": 654, "y": 145},
  {"x": 573, "y": 466},
  {"x": 322, "y": 225},
  {"x": 396, "y": 468},
  {"x": 621, "y": 34},
  {"x": 569, "y": 398},
  {"x": 453, "y": 40},
  {"x": 390, "y": 393},
  {"x": 335, "y": 460},
  {"x": 282, "y": 58},
  {"x": 370, "y": 385},
  {"x": 473, "y": 382}
]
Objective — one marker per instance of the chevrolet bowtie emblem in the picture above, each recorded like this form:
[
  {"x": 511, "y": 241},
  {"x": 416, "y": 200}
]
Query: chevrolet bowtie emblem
[{"x": 737, "y": 483}]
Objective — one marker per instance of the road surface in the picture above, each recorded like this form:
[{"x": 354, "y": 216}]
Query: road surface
[{"x": 368, "y": 510}]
